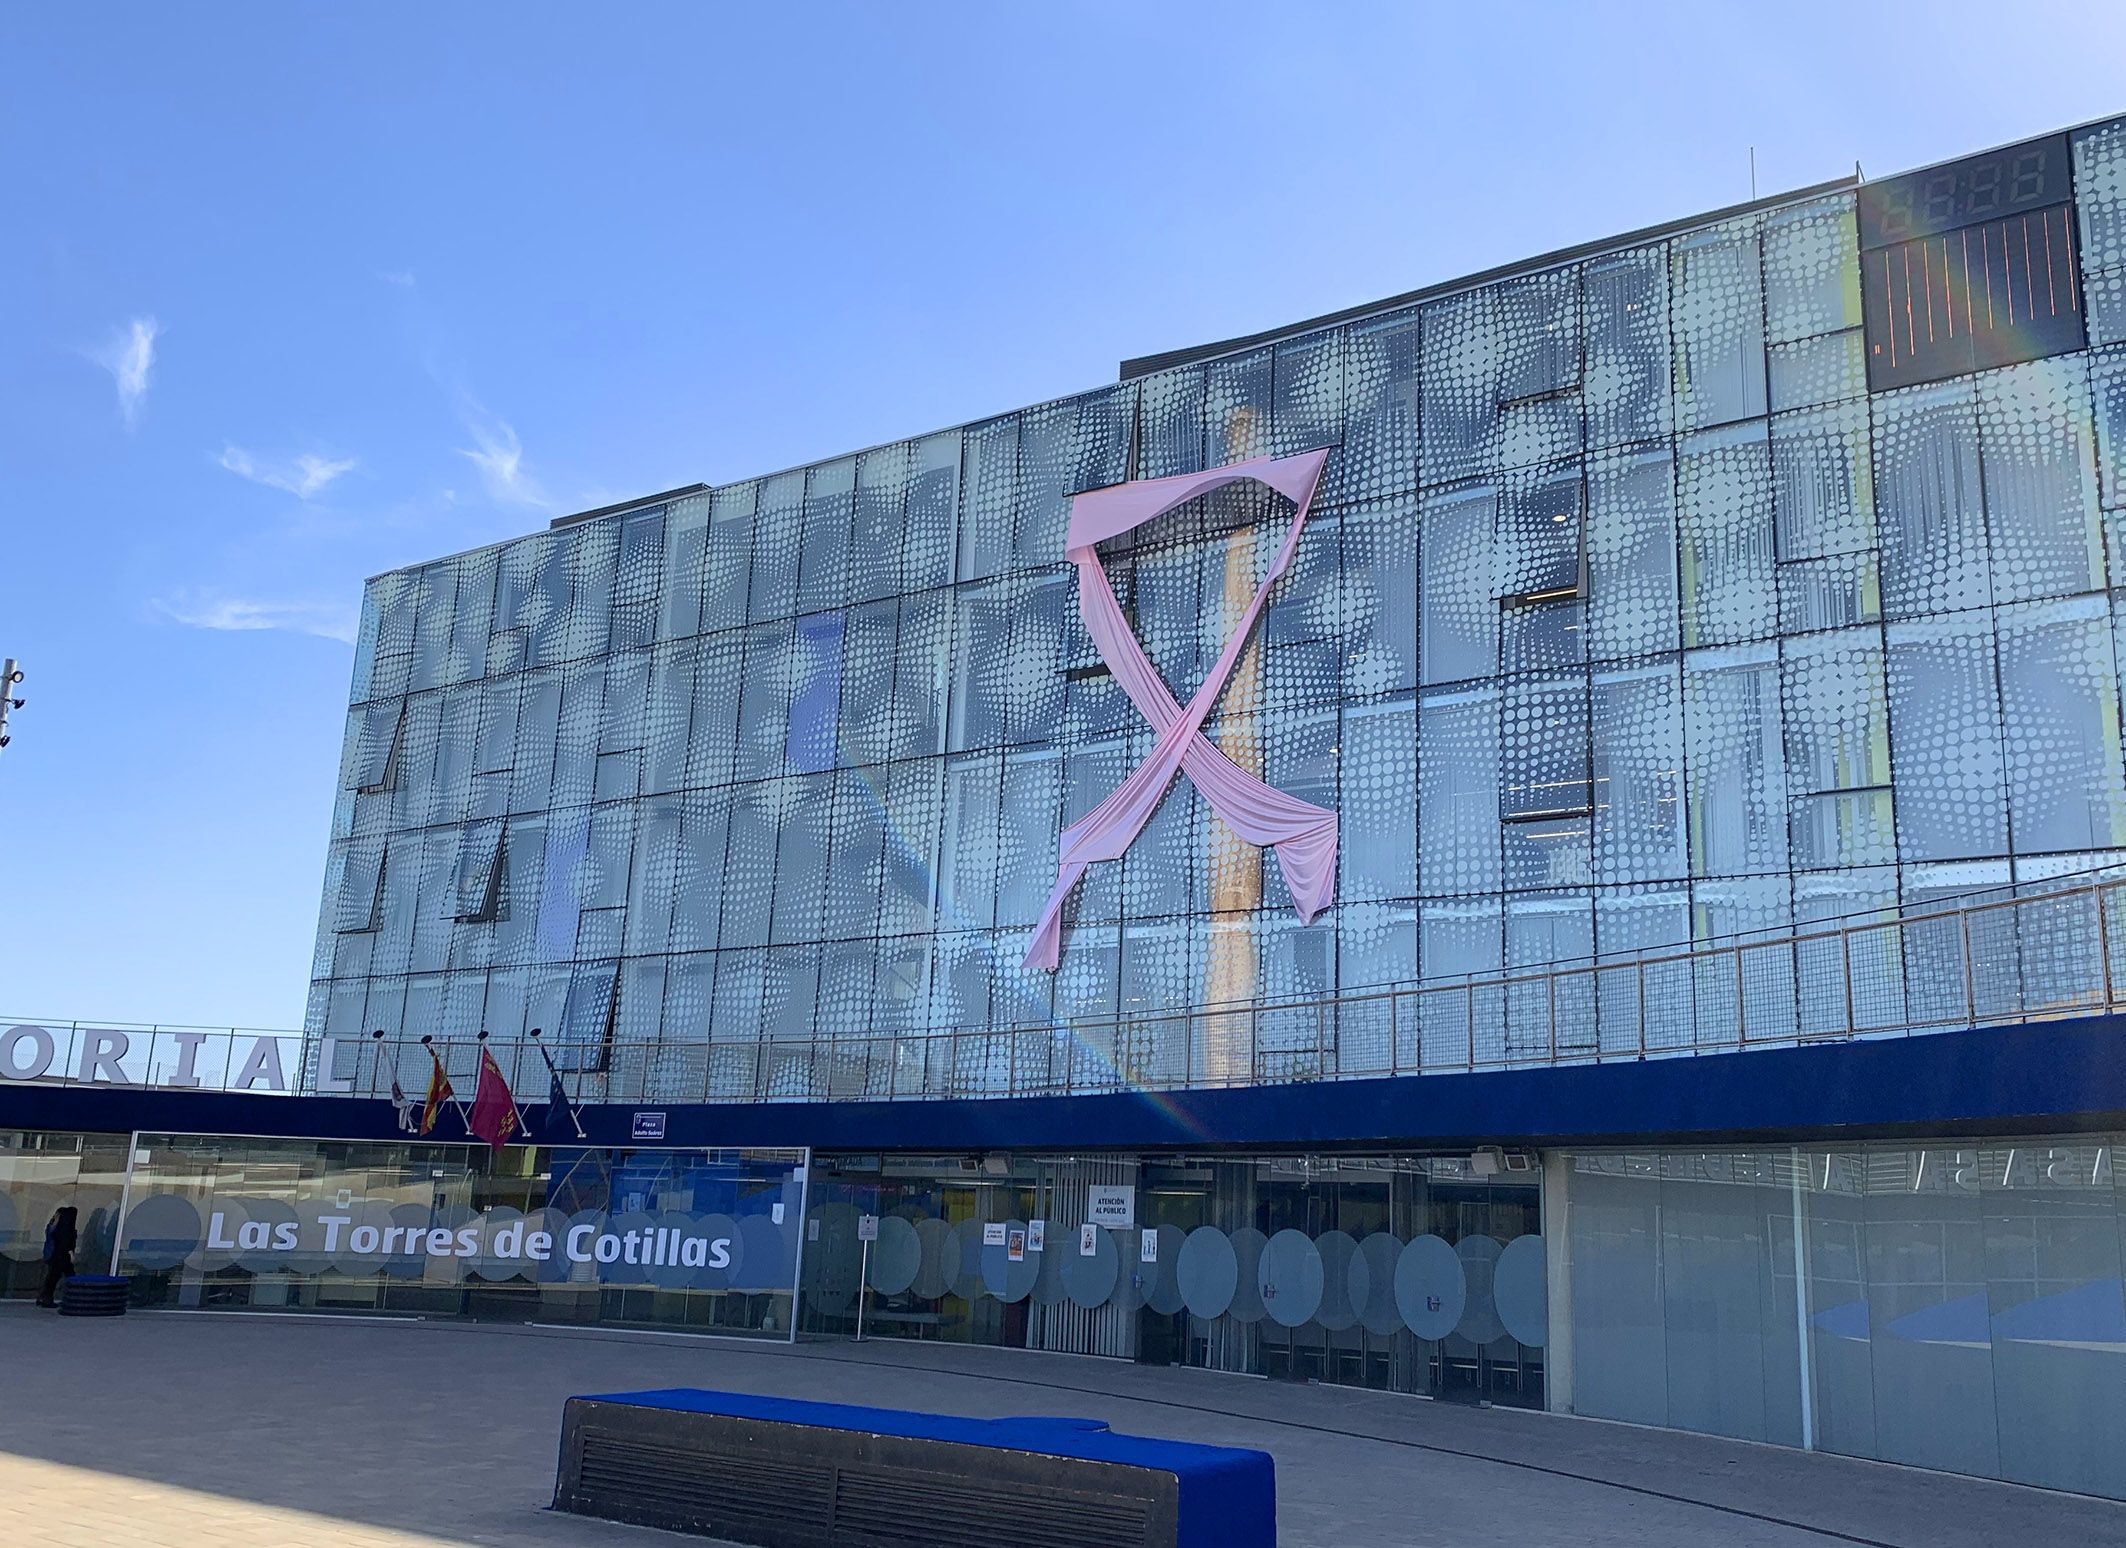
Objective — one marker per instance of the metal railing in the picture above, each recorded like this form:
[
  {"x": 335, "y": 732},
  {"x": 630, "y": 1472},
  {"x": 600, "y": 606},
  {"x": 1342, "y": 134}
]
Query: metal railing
[{"x": 2040, "y": 956}]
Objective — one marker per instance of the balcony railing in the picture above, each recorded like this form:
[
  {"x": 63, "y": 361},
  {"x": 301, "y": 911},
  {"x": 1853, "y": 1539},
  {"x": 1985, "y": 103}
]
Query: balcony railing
[{"x": 2040, "y": 956}]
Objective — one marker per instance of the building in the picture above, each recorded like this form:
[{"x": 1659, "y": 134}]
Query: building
[{"x": 1698, "y": 1012}]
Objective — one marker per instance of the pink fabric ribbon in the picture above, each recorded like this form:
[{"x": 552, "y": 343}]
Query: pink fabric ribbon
[{"x": 1303, "y": 835}]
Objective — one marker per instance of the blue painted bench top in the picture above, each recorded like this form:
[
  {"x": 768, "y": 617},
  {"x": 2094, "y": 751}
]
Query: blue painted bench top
[{"x": 1228, "y": 1497}]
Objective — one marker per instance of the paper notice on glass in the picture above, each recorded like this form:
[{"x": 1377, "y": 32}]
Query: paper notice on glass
[
  {"x": 1036, "y": 1235},
  {"x": 1088, "y": 1239},
  {"x": 1015, "y": 1247},
  {"x": 867, "y": 1228},
  {"x": 1148, "y": 1245},
  {"x": 993, "y": 1233}
]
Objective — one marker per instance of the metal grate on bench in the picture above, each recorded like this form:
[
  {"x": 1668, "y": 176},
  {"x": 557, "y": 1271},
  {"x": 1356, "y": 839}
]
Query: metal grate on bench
[{"x": 785, "y": 1474}]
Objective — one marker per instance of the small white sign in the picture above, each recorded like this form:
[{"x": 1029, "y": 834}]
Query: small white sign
[
  {"x": 1113, "y": 1207},
  {"x": 1015, "y": 1247},
  {"x": 812, "y": 1229},
  {"x": 867, "y": 1228},
  {"x": 1148, "y": 1245},
  {"x": 1088, "y": 1240},
  {"x": 1036, "y": 1235},
  {"x": 993, "y": 1233},
  {"x": 775, "y": 1212}
]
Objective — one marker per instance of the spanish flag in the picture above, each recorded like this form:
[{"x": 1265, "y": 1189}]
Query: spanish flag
[{"x": 439, "y": 1092}]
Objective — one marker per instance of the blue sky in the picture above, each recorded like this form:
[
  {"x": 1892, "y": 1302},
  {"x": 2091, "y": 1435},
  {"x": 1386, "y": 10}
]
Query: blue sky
[{"x": 293, "y": 294}]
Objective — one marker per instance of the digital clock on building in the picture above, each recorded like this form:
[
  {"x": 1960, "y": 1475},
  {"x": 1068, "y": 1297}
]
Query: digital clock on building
[{"x": 1971, "y": 265}]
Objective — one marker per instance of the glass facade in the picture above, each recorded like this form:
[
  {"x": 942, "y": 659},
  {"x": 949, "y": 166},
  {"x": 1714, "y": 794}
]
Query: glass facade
[
  {"x": 705, "y": 1240},
  {"x": 1401, "y": 1273},
  {"x": 1627, "y": 616},
  {"x": 1961, "y": 1300}
]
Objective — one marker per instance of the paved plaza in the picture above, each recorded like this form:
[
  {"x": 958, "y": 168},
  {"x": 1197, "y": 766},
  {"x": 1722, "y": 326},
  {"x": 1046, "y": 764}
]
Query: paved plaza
[{"x": 243, "y": 1431}]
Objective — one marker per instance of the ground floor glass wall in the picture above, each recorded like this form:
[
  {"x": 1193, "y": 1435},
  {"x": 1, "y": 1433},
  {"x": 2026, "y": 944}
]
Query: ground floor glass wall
[
  {"x": 1960, "y": 1304},
  {"x": 41, "y": 1171},
  {"x": 1405, "y": 1273},
  {"x": 698, "y": 1239}
]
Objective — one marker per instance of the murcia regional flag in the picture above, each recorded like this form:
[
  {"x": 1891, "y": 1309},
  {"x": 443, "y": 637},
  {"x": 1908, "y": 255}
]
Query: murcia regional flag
[{"x": 494, "y": 1111}]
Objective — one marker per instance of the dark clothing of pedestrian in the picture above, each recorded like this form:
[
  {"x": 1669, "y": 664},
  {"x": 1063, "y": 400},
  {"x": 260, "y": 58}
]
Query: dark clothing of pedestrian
[{"x": 60, "y": 1238}]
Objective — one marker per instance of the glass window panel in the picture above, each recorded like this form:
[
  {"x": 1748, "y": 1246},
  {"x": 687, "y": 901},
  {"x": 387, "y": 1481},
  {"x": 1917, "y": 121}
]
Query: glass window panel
[
  {"x": 967, "y": 869},
  {"x": 590, "y": 555},
  {"x": 1169, "y": 423},
  {"x": 1379, "y": 627},
  {"x": 1946, "y": 728},
  {"x": 1626, "y": 386},
  {"x": 823, "y": 554},
  {"x": 1832, "y": 593},
  {"x": 1547, "y": 852},
  {"x": 1458, "y": 791},
  {"x": 1807, "y": 372},
  {"x": 1549, "y": 1015},
  {"x": 730, "y": 556},
  {"x": 576, "y": 735},
  {"x": 816, "y": 693},
  {"x": 929, "y": 538},
  {"x": 1719, "y": 326},
  {"x": 2100, "y": 187},
  {"x": 1031, "y": 670},
  {"x": 1458, "y": 382},
  {"x": 1836, "y": 711},
  {"x": 1029, "y": 817},
  {"x": 763, "y": 737},
  {"x": 960, "y": 980},
  {"x": 1047, "y": 477},
  {"x": 1236, "y": 408},
  {"x": 1928, "y": 501},
  {"x": 749, "y": 865},
  {"x": 1736, "y": 771},
  {"x": 472, "y": 616},
  {"x": 1377, "y": 811},
  {"x": 856, "y": 869},
  {"x": 1638, "y": 773},
  {"x": 2040, "y": 479},
  {"x": 435, "y": 594},
  {"x": 883, "y": 475},
  {"x": 1844, "y": 828},
  {"x": 1458, "y": 616},
  {"x": 1724, "y": 507},
  {"x": 689, "y": 993},
  {"x": 1539, "y": 324},
  {"x": 868, "y": 714},
  {"x": 1546, "y": 747},
  {"x": 776, "y": 539},
  {"x": 1542, "y": 636},
  {"x": 669, "y": 709},
  {"x": 989, "y": 474},
  {"x": 914, "y": 807},
  {"x": 1307, "y": 399},
  {"x": 1541, "y": 530},
  {"x": 982, "y": 633},
  {"x": 1811, "y": 269},
  {"x": 685, "y": 566},
  {"x": 697, "y": 883},
  {"x": 1631, "y": 555},
  {"x": 638, "y": 575},
  {"x": 1380, "y": 434},
  {"x": 1824, "y": 482},
  {"x": 801, "y": 847},
  {"x": 2060, "y": 726},
  {"x": 789, "y": 1001},
  {"x": 1376, "y": 944},
  {"x": 718, "y": 674},
  {"x": 922, "y": 673},
  {"x": 845, "y": 989}
]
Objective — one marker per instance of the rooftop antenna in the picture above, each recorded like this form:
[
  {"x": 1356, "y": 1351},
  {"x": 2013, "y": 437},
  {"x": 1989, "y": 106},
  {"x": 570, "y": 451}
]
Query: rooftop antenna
[{"x": 1753, "y": 174}]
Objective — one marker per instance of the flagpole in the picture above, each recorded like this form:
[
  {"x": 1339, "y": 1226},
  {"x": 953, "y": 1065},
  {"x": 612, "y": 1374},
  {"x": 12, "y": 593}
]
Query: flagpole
[
  {"x": 554, "y": 1079},
  {"x": 464, "y": 1116},
  {"x": 523, "y": 1125}
]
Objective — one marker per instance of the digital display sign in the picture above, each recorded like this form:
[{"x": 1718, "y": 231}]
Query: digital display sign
[{"x": 1970, "y": 265}]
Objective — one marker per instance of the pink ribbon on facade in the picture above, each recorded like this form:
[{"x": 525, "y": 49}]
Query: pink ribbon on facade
[{"x": 1304, "y": 835}]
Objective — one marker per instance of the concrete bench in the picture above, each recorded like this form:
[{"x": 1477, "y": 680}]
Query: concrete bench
[{"x": 780, "y": 1473}]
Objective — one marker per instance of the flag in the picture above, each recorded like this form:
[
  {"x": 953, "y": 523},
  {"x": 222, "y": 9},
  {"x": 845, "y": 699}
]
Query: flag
[
  {"x": 558, "y": 1107},
  {"x": 409, "y": 1120},
  {"x": 439, "y": 1092},
  {"x": 494, "y": 1113}
]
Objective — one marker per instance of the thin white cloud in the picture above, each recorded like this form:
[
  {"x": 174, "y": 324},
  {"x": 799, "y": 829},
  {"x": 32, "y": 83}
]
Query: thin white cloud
[
  {"x": 329, "y": 620},
  {"x": 302, "y": 477},
  {"x": 130, "y": 358},
  {"x": 500, "y": 458},
  {"x": 403, "y": 278}
]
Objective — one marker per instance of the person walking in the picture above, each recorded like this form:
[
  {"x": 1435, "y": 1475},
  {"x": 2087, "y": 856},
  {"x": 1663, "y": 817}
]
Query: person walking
[{"x": 60, "y": 1237}]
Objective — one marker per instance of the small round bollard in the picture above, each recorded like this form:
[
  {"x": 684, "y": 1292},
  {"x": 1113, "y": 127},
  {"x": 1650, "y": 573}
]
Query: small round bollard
[{"x": 94, "y": 1295}]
